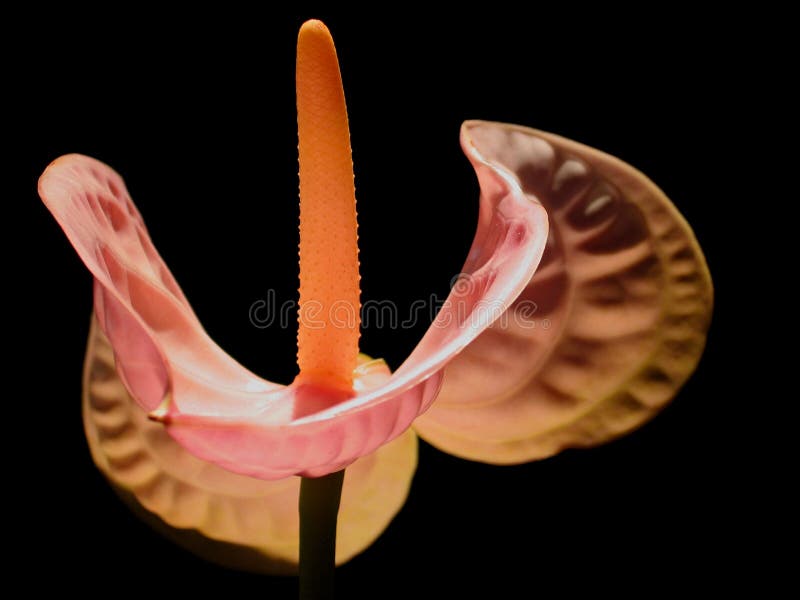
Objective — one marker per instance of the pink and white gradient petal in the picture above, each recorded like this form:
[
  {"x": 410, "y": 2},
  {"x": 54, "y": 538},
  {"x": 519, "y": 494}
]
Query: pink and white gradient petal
[{"x": 220, "y": 411}]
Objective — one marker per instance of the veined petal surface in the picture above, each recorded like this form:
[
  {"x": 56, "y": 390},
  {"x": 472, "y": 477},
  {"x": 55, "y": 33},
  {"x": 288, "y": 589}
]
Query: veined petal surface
[
  {"x": 220, "y": 411},
  {"x": 607, "y": 330},
  {"x": 230, "y": 519}
]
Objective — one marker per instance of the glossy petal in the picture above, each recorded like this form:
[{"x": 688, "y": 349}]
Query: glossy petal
[
  {"x": 230, "y": 519},
  {"x": 216, "y": 408},
  {"x": 609, "y": 327}
]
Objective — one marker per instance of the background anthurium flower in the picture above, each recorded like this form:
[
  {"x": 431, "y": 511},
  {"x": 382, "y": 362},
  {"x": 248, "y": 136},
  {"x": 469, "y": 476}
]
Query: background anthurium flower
[
  {"x": 622, "y": 302},
  {"x": 231, "y": 519}
]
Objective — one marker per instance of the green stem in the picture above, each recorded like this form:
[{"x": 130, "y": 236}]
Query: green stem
[{"x": 319, "y": 507}]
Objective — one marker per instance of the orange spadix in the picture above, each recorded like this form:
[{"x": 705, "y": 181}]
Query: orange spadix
[{"x": 327, "y": 339}]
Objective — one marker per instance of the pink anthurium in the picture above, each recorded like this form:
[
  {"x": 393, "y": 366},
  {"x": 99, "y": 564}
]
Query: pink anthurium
[
  {"x": 220, "y": 411},
  {"x": 624, "y": 291}
]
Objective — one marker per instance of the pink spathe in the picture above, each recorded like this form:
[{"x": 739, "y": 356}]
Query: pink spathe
[{"x": 220, "y": 411}]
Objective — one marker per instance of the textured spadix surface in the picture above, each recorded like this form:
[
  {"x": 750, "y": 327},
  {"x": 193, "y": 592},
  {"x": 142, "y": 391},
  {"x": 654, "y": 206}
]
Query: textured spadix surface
[
  {"x": 231, "y": 519},
  {"x": 608, "y": 329}
]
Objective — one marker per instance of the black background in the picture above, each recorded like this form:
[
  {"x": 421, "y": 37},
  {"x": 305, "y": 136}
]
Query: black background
[{"x": 196, "y": 111}]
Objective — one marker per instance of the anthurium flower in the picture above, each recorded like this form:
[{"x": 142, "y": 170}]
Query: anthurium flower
[
  {"x": 622, "y": 304},
  {"x": 220, "y": 411}
]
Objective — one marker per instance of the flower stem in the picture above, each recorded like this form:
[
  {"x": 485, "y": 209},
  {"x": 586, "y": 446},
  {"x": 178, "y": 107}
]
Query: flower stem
[{"x": 319, "y": 508}]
